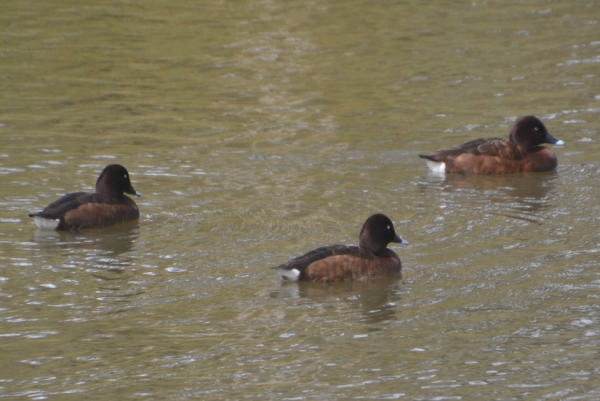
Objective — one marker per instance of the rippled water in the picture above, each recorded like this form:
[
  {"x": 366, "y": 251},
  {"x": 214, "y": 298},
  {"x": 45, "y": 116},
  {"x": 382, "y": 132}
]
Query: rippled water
[{"x": 257, "y": 131}]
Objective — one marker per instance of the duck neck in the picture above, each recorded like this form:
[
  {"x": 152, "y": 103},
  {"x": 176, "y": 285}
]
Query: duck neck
[
  {"x": 366, "y": 245},
  {"x": 102, "y": 188}
]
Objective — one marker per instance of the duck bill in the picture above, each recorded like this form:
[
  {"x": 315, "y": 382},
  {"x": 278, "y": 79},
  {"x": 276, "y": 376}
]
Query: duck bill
[
  {"x": 399, "y": 240},
  {"x": 132, "y": 191},
  {"x": 550, "y": 139}
]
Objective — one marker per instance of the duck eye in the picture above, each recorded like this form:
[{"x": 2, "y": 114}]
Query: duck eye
[
  {"x": 536, "y": 128},
  {"x": 125, "y": 176},
  {"x": 389, "y": 228}
]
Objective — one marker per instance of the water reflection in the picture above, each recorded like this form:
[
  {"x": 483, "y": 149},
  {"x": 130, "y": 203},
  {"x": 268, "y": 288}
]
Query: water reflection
[
  {"x": 101, "y": 248},
  {"x": 375, "y": 299},
  {"x": 520, "y": 196},
  {"x": 112, "y": 240}
]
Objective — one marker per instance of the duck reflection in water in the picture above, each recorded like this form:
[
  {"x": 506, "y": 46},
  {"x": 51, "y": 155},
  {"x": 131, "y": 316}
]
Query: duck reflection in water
[
  {"x": 376, "y": 299},
  {"x": 505, "y": 194},
  {"x": 101, "y": 245}
]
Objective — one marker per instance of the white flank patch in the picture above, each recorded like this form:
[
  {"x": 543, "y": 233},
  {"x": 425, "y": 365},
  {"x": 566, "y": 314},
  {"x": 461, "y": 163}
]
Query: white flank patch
[
  {"x": 436, "y": 167},
  {"x": 291, "y": 275},
  {"x": 45, "y": 224}
]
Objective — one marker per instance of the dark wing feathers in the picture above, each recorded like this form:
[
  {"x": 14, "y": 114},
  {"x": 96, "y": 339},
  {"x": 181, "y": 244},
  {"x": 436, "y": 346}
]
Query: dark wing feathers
[
  {"x": 302, "y": 262},
  {"x": 480, "y": 147},
  {"x": 471, "y": 146},
  {"x": 58, "y": 209},
  {"x": 501, "y": 148}
]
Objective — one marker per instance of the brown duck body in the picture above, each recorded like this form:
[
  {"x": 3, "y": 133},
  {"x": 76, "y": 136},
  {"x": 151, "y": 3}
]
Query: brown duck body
[
  {"x": 340, "y": 263},
  {"x": 370, "y": 259},
  {"x": 106, "y": 207},
  {"x": 521, "y": 153}
]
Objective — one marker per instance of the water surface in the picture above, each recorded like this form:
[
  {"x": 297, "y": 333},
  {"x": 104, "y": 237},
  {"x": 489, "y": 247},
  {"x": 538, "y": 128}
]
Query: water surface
[{"x": 259, "y": 130}]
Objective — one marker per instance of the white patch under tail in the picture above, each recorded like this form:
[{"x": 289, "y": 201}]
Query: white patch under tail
[
  {"x": 45, "y": 224},
  {"x": 436, "y": 167},
  {"x": 292, "y": 274}
]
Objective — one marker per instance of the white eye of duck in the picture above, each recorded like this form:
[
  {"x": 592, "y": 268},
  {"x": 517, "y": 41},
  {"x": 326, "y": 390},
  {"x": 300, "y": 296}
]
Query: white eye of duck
[
  {"x": 536, "y": 128},
  {"x": 125, "y": 176},
  {"x": 389, "y": 228}
]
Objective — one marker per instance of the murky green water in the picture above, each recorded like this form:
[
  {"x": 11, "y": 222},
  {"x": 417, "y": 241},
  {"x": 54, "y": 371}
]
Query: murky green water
[{"x": 259, "y": 130}]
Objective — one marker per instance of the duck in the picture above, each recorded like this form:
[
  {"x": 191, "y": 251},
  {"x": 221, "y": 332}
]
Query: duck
[
  {"x": 370, "y": 259},
  {"x": 521, "y": 153},
  {"x": 106, "y": 207}
]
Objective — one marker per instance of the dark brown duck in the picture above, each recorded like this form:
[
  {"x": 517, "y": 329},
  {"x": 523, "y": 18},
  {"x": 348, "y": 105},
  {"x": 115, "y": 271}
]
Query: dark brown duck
[
  {"x": 521, "y": 153},
  {"x": 106, "y": 207},
  {"x": 371, "y": 258}
]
